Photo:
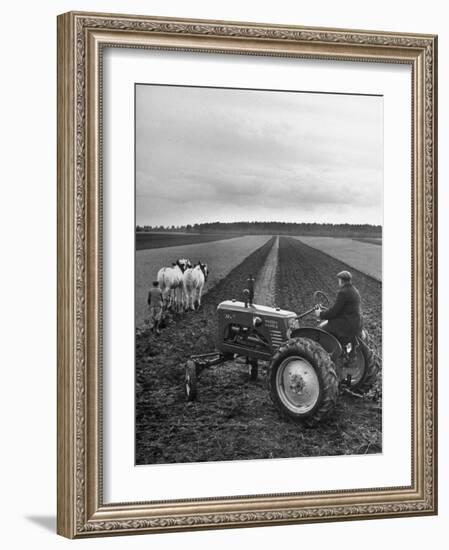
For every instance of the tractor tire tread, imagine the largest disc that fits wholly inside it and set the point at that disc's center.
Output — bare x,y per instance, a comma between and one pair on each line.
323,364
372,367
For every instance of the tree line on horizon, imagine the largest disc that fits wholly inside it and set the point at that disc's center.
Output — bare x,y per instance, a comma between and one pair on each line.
274,228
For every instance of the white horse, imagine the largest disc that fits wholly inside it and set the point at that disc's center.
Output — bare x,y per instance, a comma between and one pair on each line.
193,283
171,283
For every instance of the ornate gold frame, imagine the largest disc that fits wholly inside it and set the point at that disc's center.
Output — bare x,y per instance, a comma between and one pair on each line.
81,37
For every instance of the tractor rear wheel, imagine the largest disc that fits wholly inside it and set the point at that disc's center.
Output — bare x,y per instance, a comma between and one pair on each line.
191,379
302,381
370,370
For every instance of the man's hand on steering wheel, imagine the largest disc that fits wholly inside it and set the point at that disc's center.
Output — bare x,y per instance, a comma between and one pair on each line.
318,311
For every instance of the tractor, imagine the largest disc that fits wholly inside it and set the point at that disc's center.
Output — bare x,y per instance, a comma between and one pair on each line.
307,365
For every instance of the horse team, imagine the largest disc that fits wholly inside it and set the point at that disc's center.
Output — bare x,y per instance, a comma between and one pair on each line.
182,284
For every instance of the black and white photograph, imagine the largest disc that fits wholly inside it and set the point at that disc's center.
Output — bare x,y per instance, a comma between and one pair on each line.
224,333
258,274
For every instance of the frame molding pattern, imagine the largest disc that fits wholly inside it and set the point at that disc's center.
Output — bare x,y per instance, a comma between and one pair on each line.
73,491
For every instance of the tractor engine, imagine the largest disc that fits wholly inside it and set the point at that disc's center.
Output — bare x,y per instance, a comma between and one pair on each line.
252,330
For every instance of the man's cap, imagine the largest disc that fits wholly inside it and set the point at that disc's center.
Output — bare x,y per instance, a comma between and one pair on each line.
345,275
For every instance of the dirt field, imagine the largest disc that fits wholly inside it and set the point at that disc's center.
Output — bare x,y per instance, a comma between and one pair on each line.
148,240
220,256
355,253
233,417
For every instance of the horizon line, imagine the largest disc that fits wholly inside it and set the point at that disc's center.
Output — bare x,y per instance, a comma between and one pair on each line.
258,222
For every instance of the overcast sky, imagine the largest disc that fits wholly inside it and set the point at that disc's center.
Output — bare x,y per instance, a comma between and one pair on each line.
206,155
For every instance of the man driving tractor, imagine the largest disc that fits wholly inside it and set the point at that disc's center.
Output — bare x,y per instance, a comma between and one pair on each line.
344,318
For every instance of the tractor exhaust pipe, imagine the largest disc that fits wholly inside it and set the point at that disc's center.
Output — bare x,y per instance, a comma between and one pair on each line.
246,296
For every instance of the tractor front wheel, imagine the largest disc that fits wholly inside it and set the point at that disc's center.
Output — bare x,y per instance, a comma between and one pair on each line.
191,379
302,381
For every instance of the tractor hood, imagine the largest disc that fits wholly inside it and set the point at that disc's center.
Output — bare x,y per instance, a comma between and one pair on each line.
234,305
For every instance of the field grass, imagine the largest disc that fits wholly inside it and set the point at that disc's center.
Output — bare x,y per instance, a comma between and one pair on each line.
220,256
361,255
149,240
372,240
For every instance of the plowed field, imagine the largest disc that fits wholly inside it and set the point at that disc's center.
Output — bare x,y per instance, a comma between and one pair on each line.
233,418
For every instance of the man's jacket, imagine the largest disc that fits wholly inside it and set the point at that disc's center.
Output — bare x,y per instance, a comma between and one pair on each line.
345,316
155,297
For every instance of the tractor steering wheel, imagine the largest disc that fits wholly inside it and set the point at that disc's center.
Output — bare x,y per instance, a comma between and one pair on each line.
320,299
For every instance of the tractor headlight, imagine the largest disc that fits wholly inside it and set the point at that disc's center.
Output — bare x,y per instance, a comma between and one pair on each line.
293,324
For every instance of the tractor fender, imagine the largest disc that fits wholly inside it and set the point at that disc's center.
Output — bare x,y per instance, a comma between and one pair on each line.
325,339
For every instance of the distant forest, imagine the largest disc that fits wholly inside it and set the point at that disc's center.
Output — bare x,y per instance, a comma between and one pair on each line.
274,228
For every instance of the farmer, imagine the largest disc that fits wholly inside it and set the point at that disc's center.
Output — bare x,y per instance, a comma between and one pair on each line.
155,304
250,286
344,318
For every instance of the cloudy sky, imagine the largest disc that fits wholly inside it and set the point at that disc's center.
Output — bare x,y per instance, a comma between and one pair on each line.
210,154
